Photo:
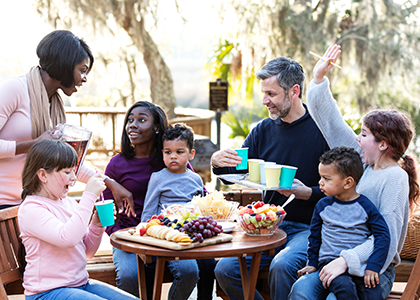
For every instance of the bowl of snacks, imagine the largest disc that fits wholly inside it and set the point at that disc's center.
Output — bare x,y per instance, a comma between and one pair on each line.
215,205
260,219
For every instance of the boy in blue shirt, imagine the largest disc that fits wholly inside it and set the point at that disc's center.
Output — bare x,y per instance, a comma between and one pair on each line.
343,220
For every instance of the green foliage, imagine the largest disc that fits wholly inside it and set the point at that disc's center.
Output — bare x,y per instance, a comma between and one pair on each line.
352,117
239,120
243,106
388,99
218,66
379,39
395,99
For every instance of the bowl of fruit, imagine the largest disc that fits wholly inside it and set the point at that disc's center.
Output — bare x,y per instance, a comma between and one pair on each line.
260,219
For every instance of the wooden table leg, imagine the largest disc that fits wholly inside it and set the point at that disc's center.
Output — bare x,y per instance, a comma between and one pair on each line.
249,281
141,277
160,269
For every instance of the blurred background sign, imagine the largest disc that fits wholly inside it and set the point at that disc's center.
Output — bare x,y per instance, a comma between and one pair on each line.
218,95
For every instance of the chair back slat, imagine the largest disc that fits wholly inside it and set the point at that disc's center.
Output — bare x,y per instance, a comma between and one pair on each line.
412,290
14,233
9,246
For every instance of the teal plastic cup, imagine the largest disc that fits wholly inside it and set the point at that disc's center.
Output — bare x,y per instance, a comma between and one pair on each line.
105,212
243,153
287,175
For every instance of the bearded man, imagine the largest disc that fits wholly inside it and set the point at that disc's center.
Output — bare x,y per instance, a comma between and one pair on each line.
288,137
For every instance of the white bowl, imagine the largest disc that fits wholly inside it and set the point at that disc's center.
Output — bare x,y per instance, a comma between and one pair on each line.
227,226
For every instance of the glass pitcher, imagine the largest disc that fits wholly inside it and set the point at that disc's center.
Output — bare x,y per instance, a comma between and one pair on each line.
77,137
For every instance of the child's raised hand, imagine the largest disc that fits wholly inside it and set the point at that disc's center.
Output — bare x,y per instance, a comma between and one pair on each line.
371,278
306,270
323,66
95,185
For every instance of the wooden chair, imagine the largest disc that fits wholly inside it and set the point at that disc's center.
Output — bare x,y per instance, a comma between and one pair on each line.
411,290
9,248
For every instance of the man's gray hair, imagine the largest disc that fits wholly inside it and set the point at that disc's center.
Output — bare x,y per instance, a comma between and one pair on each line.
287,71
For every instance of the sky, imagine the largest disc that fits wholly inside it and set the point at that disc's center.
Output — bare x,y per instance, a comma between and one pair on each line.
21,30
185,47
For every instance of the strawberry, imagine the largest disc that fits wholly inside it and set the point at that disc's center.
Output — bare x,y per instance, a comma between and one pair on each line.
160,217
154,217
258,204
258,218
142,231
250,226
249,211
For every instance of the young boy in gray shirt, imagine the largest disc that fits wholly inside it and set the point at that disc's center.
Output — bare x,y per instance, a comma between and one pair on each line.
175,184
343,220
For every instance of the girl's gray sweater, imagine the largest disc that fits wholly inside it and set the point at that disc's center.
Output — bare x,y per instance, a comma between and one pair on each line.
388,189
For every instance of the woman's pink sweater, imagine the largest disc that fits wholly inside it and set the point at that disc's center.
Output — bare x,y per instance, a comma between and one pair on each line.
16,126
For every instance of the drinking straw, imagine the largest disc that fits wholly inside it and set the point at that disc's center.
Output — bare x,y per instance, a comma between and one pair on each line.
101,196
324,59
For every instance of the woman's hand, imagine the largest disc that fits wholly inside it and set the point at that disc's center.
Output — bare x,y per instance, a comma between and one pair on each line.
123,198
322,67
225,158
24,146
336,267
95,185
301,192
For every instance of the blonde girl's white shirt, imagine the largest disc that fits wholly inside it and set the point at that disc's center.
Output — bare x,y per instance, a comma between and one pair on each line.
57,241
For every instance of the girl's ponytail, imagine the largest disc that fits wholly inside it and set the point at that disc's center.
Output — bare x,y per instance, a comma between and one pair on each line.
408,163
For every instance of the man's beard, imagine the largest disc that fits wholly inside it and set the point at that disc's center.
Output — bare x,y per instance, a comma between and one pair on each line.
282,113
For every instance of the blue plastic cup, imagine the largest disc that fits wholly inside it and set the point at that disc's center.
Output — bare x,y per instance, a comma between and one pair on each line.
105,212
243,153
287,175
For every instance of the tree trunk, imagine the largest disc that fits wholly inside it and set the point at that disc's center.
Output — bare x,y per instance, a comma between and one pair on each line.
161,82
129,15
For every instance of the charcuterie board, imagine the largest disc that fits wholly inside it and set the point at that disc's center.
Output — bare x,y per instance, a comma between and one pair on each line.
243,179
148,240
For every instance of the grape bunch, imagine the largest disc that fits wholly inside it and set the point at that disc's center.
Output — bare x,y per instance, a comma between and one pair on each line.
201,228
188,216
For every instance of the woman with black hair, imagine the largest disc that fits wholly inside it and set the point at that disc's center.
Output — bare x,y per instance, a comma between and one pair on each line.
141,155
31,108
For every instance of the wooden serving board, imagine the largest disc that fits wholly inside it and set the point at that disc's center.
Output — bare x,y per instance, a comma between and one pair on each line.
148,240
